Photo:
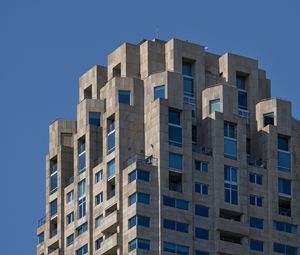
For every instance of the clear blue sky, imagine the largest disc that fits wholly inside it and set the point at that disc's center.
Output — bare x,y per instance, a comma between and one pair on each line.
46,45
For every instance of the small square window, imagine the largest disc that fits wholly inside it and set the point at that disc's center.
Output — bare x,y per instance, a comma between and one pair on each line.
124,97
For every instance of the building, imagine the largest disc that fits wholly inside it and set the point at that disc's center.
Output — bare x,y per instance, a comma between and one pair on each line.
175,150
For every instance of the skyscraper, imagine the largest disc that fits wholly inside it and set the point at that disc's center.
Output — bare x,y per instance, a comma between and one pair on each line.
175,150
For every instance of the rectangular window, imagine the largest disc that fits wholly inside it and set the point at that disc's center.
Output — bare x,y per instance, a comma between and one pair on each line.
83,250
201,210
175,181
284,227
111,141
81,155
284,156
176,203
53,175
256,200
188,81
284,206
70,239
285,249
124,97
175,161
175,129
81,229
70,196
139,220
268,119
230,141
81,199
255,178
99,198
284,186
176,248
98,243
159,92
214,105
41,238
139,243
230,185
201,166
70,218
176,226
53,207
98,176
98,221
111,168
242,99
256,223
256,245
201,253
201,188
94,118
139,197
194,134
202,233
139,174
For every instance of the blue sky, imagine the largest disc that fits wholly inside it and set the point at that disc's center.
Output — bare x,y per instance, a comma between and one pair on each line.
46,45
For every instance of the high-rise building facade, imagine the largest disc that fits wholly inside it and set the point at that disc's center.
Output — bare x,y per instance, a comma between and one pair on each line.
175,150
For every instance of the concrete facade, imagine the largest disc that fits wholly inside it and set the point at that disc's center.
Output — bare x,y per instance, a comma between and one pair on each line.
212,159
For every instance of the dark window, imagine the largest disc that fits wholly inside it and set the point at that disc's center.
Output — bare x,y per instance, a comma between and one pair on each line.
256,245
82,250
194,134
94,118
201,166
159,92
284,186
175,181
70,239
285,249
124,97
284,206
139,244
53,207
202,233
201,188
201,210
269,118
175,130
256,223
175,161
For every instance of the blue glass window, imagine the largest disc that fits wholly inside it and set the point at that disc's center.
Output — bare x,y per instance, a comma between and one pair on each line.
41,238
111,139
83,250
201,166
81,155
70,196
176,248
176,203
138,174
81,207
201,253
214,105
269,118
175,130
187,68
70,239
81,229
284,186
159,92
99,198
188,86
201,210
70,218
175,161
202,233
98,176
256,200
256,223
124,97
283,143
285,227
242,100
285,249
139,220
111,168
230,185
53,175
176,226
81,188
53,207
255,178
241,82
98,243
230,142
139,197
94,118
98,220
139,243
256,245
284,156
201,188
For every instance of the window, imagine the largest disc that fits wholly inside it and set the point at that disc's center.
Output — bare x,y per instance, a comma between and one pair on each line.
138,174
284,186
98,243
230,237
285,249
256,245
41,238
255,178
201,253
53,207
175,129
94,118
99,198
188,81
176,203
98,176
70,196
242,93
284,156
139,197
256,223
285,227
98,221
53,175
82,250
111,143
124,97
201,188
139,243
201,210
214,105
201,166
176,226
70,218
159,92
81,155
139,220
175,161
230,185
81,229
256,200
230,215
269,119
81,199
111,168
284,206
175,181
70,239
202,233
230,141
194,134
176,248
